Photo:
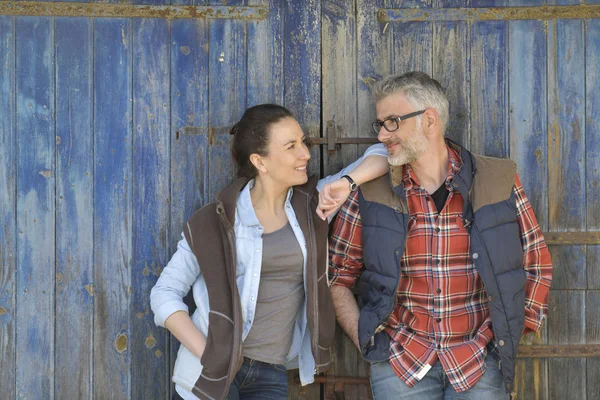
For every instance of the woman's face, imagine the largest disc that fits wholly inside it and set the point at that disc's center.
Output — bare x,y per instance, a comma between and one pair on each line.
287,154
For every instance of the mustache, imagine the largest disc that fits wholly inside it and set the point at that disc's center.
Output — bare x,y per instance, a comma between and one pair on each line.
391,142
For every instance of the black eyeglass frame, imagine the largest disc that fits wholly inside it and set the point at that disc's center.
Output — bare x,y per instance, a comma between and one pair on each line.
378,124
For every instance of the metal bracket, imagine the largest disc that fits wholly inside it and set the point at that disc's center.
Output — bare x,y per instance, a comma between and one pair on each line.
332,140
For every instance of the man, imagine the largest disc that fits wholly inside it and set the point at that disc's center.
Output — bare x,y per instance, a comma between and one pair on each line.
451,264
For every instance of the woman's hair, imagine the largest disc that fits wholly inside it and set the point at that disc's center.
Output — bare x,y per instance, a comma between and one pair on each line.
251,135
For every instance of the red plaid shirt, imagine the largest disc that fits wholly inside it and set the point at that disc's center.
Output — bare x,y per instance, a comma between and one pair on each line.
441,294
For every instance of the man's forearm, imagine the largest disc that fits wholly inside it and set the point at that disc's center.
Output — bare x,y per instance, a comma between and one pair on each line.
347,311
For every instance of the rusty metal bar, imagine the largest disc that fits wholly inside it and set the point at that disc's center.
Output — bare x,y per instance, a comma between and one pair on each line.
103,10
583,11
351,140
572,238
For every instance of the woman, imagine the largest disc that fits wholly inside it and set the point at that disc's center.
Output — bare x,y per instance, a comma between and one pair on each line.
256,260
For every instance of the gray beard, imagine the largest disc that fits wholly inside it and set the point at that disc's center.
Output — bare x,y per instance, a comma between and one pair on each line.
410,150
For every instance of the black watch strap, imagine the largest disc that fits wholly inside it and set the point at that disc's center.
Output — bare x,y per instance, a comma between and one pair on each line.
353,184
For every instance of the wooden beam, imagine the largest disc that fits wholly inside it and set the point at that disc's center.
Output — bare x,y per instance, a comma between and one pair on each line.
583,11
103,10
571,238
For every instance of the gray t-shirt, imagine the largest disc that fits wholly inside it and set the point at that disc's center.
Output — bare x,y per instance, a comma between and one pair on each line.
280,296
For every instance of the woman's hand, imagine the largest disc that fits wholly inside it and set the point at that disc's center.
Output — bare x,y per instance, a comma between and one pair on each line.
332,196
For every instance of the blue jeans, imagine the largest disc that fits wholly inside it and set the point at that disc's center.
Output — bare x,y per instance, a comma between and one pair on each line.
435,385
257,380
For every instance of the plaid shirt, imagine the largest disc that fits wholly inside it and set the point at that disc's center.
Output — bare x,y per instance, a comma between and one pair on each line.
442,309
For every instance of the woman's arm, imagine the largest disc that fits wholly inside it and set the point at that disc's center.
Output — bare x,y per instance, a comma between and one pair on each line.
334,190
166,298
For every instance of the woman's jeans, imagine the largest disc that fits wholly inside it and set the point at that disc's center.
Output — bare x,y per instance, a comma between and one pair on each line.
257,380
385,384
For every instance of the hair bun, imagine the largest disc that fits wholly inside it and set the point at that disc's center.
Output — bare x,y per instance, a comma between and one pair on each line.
234,129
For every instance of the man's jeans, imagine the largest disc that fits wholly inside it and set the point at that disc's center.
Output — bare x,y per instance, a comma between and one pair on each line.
385,384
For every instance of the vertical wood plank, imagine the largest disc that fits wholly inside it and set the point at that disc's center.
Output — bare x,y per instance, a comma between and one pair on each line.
592,336
592,146
338,55
265,55
75,208
302,70
566,325
489,133
373,58
527,88
412,47
151,185
302,95
227,88
8,191
113,207
451,68
567,204
35,207
189,107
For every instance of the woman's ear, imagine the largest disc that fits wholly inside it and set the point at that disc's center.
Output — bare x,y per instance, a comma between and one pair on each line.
258,162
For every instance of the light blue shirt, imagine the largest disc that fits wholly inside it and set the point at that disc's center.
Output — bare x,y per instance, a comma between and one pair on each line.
183,272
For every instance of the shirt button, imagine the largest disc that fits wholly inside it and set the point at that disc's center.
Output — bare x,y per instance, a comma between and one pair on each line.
255,274
252,299
439,346
257,250
501,343
438,319
490,298
475,256
437,261
455,184
438,291
397,252
437,229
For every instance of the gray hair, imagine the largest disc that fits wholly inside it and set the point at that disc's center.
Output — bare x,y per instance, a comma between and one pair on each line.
421,90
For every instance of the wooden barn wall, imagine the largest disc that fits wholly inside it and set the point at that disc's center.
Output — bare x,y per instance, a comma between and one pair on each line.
114,130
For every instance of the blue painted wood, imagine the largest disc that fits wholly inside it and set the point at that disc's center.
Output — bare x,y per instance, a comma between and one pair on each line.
489,133
373,59
566,94
338,69
75,208
302,66
265,55
227,88
528,113
450,67
592,145
412,47
113,207
35,207
151,185
8,191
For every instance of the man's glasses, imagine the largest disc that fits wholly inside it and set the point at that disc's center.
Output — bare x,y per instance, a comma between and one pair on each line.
392,124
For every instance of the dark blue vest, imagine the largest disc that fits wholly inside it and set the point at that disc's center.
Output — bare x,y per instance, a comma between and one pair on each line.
490,215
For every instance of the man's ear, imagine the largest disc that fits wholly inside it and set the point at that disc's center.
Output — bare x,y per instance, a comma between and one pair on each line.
431,117
258,162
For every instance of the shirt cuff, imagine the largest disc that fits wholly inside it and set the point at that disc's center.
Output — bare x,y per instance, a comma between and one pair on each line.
533,321
166,310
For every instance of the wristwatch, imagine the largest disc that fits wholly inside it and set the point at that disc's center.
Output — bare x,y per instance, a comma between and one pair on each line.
353,184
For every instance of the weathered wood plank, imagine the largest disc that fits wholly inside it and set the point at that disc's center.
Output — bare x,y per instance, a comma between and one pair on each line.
592,147
189,107
151,185
338,70
35,207
8,191
227,88
412,47
566,325
489,133
569,267
265,55
113,207
373,58
566,130
302,93
75,208
450,67
302,69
